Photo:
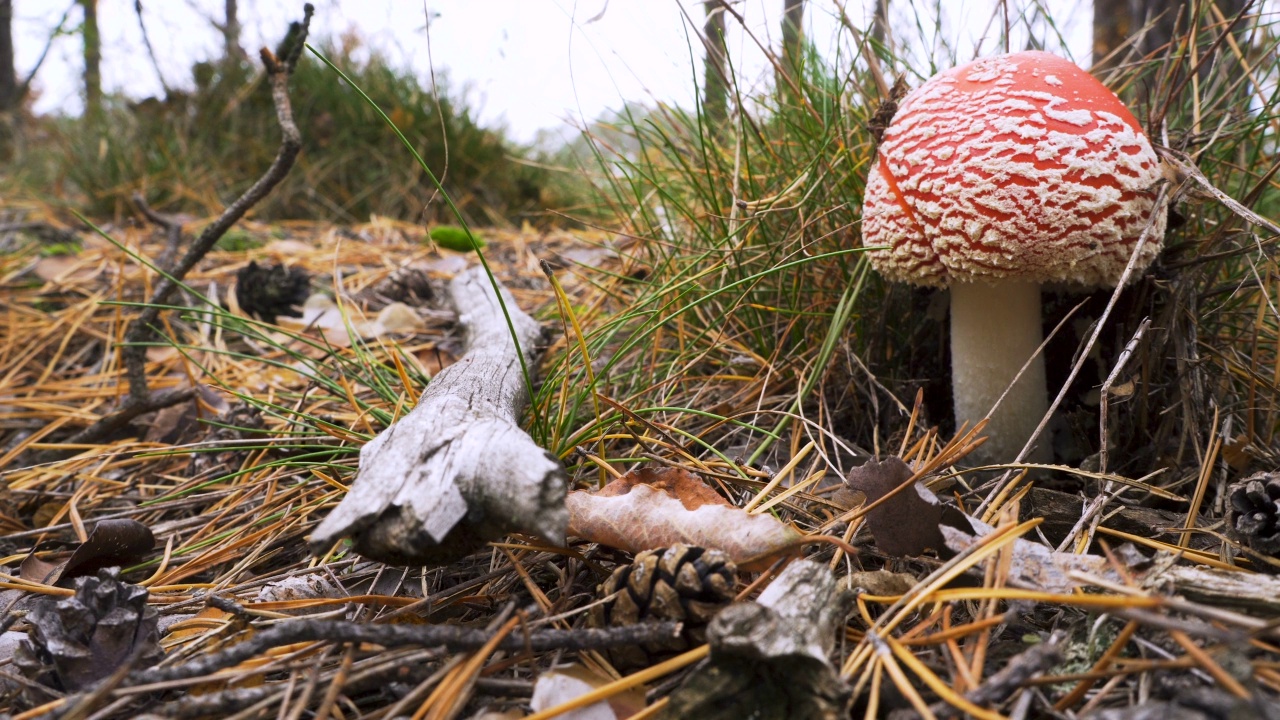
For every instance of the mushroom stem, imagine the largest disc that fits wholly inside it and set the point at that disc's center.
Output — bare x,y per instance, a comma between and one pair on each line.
995,328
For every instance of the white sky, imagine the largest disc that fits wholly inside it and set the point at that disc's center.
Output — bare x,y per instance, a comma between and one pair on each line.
528,64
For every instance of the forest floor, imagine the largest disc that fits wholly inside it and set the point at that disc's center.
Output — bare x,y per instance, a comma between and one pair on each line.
225,512
207,506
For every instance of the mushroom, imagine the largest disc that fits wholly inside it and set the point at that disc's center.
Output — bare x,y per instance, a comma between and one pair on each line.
994,178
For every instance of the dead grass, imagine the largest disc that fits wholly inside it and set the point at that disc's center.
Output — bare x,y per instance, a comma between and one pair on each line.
231,517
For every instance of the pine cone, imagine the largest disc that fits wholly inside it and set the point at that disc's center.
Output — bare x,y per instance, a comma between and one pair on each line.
1253,517
681,583
75,642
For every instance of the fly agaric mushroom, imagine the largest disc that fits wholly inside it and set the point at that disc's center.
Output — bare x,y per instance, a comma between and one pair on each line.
996,177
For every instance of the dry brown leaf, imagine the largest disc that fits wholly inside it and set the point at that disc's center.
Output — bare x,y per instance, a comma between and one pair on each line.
880,582
907,523
66,269
446,265
394,318
169,424
197,625
1238,452
161,353
46,512
913,520
321,315
655,508
177,423
433,360
113,542
288,249
594,257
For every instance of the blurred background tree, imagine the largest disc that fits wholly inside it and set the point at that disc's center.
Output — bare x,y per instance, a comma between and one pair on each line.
8,80
92,59
1151,23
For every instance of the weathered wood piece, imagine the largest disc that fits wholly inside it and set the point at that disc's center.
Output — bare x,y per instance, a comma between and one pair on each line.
457,471
1062,510
1253,593
769,658
795,617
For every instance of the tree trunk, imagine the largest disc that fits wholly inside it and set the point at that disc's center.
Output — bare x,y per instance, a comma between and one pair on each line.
231,31
1158,21
792,36
1110,27
715,72
92,59
880,22
8,80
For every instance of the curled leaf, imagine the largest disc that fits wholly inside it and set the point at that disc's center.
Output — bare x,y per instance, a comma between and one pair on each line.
658,507
111,543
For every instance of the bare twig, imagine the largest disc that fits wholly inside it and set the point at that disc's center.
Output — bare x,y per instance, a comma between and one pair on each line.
453,637
172,229
1104,405
371,673
140,400
42,230
24,87
1016,674
1187,169
1026,665
146,40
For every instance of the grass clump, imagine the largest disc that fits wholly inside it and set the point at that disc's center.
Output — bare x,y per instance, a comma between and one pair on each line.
757,314
194,151
753,295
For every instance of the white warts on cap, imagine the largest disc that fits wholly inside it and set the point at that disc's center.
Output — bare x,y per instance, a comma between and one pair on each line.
1020,165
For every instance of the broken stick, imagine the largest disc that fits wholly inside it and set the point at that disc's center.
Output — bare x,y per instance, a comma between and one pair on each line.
457,471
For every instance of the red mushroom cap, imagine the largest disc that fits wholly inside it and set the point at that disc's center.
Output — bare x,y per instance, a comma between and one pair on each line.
1020,165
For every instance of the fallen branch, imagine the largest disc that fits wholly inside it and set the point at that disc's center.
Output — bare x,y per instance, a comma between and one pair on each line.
370,675
172,230
457,471
1024,666
280,67
1014,676
454,637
